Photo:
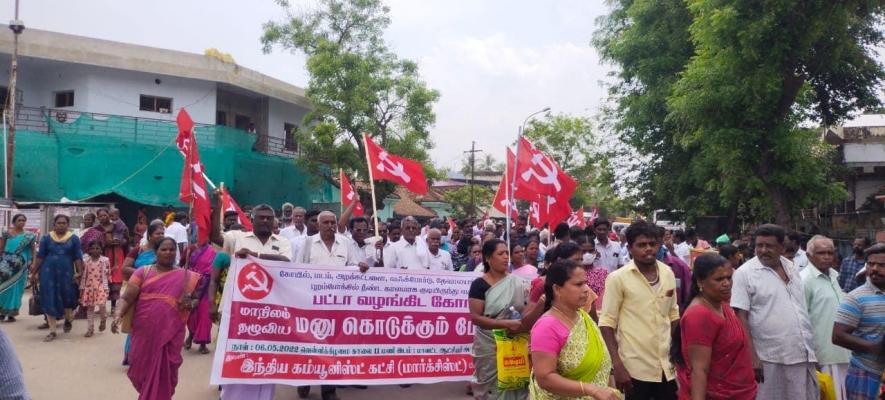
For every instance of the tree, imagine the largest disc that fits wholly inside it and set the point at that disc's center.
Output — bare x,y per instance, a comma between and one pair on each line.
459,200
485,164
571,143
356,85
724,116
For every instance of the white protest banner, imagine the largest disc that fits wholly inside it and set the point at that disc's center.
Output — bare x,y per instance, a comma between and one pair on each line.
307,325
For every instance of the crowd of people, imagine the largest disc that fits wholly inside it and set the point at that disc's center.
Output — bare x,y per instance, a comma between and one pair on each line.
641,313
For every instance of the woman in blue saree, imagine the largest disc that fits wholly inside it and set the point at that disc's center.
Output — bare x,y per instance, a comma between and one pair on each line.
59,261
19,247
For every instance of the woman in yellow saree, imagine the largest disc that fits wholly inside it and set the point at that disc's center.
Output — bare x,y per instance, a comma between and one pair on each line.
569,358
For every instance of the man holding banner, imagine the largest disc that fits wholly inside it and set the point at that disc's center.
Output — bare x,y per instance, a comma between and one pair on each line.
260,243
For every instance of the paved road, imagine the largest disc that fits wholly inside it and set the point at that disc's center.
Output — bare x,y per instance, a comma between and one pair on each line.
77,368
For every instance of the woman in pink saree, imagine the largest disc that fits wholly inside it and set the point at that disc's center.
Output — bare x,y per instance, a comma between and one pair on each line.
199,326
162,296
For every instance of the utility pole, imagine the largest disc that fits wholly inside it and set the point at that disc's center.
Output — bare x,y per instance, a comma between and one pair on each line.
17,27
473,152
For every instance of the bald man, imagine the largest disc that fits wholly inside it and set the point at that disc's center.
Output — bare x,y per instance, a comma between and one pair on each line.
330,248
440,260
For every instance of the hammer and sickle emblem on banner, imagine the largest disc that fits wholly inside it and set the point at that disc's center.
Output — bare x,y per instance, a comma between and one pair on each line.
254,282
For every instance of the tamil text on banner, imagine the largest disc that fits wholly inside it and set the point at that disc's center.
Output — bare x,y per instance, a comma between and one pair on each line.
307,325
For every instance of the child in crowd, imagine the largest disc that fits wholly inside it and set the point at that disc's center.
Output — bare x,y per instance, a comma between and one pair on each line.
94,285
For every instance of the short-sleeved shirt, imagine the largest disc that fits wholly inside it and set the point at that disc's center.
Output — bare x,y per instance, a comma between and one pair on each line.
822,297
609,255
236,240
864,310
405,255
549,335
343,252
778,318
642,316
731,362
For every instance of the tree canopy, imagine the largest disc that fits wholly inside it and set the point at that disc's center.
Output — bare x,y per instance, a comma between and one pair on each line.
720,95
356,85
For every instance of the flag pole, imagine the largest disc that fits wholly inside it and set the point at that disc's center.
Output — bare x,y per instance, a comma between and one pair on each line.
371,183
341,190
508,190
221,186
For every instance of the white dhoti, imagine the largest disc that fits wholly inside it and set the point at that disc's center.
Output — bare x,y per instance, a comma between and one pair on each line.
838,372
794,382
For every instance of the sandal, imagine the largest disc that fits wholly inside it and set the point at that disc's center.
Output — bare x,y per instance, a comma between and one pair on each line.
44,326
50,337
89,333
204,350
188,343
68,326
102,325
10,319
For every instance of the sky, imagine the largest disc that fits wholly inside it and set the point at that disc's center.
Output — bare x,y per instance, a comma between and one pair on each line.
494,62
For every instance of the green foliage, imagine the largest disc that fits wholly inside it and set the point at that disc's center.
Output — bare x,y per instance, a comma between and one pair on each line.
717,97
571,143
459,200
356,85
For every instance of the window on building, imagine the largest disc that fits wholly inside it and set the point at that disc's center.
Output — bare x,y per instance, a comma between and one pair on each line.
155,104
289,131
220,118
242,122
64,99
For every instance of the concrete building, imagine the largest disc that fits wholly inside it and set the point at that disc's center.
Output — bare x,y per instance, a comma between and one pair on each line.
110,107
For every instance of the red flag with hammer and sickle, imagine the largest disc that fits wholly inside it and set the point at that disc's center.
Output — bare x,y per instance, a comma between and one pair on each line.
536,173
229,204
402,171
577,218
349,196
193,185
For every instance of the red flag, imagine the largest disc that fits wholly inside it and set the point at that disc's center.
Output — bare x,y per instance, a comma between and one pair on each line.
349,196
594,213
536,173
550,210
452,224
193,185
577,218
402,171
502,200
229,204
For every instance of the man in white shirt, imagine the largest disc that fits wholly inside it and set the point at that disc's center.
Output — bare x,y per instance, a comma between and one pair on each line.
369,247
408,252
260,243
682,248
311,227
297,227
609,251
176,230
330,248
440,260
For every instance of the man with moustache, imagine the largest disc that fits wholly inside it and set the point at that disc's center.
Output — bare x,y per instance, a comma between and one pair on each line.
852,264
769,300
860,327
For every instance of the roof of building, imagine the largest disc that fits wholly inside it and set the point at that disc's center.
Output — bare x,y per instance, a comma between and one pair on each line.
407,206
48,45
866,128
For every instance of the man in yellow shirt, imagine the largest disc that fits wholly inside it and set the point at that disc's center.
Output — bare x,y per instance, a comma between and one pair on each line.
639,313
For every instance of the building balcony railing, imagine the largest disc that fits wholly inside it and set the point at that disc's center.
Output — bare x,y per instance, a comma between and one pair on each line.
144,130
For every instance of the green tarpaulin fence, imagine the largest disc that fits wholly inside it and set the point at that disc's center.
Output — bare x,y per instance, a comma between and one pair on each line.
91,155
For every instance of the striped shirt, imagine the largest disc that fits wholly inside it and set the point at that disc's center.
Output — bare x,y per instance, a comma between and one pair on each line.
864,310
850,266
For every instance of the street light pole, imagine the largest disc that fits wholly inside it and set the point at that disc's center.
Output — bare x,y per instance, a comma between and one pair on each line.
17,27
510,196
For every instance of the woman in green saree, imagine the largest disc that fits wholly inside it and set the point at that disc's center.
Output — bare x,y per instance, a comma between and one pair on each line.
569,358
18,247
495,299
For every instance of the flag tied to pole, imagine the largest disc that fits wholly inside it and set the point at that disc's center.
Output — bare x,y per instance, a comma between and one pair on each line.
349,196
399,170
229,204
540,181
193,185
503,196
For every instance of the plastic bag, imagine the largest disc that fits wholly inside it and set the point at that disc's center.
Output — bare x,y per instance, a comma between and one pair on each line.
512,360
